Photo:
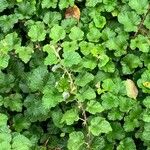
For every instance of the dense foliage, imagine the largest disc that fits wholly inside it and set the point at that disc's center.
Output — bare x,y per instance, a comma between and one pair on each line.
78,80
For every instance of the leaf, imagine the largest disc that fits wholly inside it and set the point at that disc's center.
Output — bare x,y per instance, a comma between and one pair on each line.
57,33
130,20
83,79
51,98
71,58
131,89
142,82
65,4
51,18
3,5
51,59
37,78
93,35
127,143
99,125
24,53
141,42
147,21
76,34
146,102
91,3
48,4
86,47
94,107
139,6
69,46
3,119
73,12
70,116
37,31
20,122
86,93
20,141
109,101
13,102
129,63
76,140
99,21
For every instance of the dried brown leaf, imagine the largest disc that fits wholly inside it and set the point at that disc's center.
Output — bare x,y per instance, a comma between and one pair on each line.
131,89
73,12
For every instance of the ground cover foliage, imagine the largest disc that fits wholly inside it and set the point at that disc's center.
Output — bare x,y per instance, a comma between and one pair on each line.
74,75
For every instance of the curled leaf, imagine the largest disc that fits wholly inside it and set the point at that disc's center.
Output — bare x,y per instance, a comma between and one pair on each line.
131,89
73,12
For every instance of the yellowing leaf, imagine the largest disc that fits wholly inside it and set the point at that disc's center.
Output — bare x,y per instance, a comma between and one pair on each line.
73,12
131,89
147,84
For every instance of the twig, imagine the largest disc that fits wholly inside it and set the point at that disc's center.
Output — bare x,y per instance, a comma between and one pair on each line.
142,21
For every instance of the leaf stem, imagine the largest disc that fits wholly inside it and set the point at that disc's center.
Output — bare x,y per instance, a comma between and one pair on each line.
142,21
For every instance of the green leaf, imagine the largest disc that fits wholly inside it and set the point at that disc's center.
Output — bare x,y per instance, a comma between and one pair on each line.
130,20
110,5
20,122
71,58
146,115
51,98
65,4
86,47
48,4
141,7
37,32
129,63
57,33
76,34
93,35
99,21
69,46
10,42
51,18
4,60
117,132
98,143
24,53
20,141
109,101
8,22
84,78
3,5
52,58
147,21
127,143
37,78
86,93
103,60
3,119
143,82
91,3
146,132
76,140
70,116
94,107
141,42
99,125
146,102
13,102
